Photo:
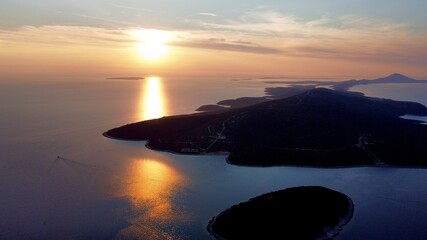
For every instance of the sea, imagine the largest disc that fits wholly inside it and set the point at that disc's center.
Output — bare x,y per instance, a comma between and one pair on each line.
61,179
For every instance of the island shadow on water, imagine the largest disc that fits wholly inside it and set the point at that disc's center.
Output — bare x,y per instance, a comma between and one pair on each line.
294,213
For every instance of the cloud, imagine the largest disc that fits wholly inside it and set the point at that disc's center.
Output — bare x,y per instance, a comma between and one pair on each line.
273,23
107,20
208,14
224,45
260,32
338,37
130,7
66,35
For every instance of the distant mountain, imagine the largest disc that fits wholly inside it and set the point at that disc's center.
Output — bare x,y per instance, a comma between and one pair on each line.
393,78
319,127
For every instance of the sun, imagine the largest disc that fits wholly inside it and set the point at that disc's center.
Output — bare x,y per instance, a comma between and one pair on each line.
151,43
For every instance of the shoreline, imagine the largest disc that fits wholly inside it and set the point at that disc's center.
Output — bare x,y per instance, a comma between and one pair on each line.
328,232
223,153
211,222
332,233
147,145
329,155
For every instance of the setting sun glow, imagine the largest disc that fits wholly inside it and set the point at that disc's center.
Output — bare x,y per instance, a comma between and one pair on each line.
152,44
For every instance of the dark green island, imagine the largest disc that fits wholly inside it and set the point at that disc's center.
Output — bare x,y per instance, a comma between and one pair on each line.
294,213
318,127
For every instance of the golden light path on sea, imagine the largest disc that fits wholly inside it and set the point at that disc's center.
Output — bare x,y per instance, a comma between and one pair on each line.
152,101
151,186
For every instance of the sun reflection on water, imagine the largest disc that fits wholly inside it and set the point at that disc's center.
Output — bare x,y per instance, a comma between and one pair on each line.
151,186
152,99
153,182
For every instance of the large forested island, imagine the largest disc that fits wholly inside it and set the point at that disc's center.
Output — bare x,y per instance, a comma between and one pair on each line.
294,213
318,127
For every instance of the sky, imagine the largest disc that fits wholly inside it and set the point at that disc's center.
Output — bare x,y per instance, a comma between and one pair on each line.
250,38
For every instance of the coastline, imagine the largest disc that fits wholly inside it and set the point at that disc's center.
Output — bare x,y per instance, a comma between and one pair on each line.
333,232
147,145
212,221
325,151
328,232
223,153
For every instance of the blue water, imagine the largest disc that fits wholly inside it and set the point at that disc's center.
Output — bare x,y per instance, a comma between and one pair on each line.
105,189
403,92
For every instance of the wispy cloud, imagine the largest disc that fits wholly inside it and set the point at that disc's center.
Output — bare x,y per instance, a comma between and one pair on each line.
208,14
272,23
343,37
130,7
93,36
224,45
107,20
264,32
65,35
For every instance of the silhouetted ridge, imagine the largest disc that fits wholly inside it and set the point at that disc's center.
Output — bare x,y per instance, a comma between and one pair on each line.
393,78
397,77
320,127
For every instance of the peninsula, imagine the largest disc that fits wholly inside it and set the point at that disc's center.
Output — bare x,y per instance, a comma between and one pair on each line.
297,87
319,127
294,213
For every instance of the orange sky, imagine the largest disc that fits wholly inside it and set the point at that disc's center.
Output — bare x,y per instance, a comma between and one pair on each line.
262,41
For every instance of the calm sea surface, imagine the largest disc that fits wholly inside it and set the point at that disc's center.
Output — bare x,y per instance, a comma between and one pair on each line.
106,189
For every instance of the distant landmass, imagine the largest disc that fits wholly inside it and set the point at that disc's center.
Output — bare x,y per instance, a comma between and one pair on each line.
293,213
393,78
345,85
298,87
126,78
318,127
272,93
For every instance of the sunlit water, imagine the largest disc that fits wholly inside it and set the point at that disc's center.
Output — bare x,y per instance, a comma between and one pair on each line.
104,189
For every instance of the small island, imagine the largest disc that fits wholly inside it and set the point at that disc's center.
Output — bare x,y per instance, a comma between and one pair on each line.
294,213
